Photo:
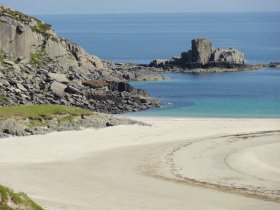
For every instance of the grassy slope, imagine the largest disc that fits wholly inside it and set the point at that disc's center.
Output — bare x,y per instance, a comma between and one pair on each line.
41,115
18,200
41,111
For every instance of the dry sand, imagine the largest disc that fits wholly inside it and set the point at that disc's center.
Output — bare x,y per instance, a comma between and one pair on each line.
174,164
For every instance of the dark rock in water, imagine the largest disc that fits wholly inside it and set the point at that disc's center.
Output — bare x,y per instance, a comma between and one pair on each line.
203,55
274,65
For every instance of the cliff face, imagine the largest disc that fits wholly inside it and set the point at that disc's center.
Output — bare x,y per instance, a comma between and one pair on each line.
23,37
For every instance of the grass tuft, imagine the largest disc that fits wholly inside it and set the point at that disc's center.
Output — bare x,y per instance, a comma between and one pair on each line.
1,56
38,58
3,98
21,200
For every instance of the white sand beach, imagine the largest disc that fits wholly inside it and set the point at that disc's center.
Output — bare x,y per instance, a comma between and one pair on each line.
174,164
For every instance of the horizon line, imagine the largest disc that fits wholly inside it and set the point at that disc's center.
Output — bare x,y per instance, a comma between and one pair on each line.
151,13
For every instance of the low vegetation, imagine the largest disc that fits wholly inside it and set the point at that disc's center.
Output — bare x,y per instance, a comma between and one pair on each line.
3,98
17,120
42,28
41,112
1,56
39,58
9,200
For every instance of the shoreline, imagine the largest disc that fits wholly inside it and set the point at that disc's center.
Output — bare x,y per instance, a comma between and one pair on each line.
107,168
131,116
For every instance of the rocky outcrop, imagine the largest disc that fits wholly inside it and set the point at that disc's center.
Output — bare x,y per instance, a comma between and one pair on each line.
204,55
24,37
274,65
23,84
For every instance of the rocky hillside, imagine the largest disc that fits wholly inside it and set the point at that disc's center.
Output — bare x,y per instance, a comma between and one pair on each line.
204,55
38,66
26,38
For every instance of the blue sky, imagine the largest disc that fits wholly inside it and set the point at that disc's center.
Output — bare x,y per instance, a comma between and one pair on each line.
141,6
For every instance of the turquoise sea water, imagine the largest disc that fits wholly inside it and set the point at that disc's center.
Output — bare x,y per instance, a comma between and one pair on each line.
237,94
140,38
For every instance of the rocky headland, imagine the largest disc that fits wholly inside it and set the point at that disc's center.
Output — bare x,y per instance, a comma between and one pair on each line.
39,67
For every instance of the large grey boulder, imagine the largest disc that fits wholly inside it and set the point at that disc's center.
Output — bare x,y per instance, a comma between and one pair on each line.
58,77
58,89
227,55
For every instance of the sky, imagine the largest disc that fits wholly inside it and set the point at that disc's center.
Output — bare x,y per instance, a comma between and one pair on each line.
140,6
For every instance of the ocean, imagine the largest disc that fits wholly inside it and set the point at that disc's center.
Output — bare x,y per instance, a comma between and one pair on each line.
140,38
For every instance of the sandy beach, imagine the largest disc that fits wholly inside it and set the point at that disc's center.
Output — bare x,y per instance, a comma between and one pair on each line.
173,164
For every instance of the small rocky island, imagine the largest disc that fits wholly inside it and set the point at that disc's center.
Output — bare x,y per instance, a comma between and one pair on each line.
204,55
203,58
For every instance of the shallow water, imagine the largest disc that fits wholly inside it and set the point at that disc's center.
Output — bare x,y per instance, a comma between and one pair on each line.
237,94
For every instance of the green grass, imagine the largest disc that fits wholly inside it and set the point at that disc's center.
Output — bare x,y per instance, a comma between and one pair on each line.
37,123
1,56
65,119
20,199
42,28
39,58
3,98
41,112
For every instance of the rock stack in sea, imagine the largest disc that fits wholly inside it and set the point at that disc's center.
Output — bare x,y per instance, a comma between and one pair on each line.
204,55
38,66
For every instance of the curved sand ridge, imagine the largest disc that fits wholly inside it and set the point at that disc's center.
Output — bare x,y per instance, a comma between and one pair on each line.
261,162
111,168
224,163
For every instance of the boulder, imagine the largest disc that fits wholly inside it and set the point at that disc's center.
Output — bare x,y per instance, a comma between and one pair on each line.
21,87
58,77
58,89
159,62
95,83
227,55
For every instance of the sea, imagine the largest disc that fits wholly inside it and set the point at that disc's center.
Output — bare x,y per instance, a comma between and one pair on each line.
140,38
